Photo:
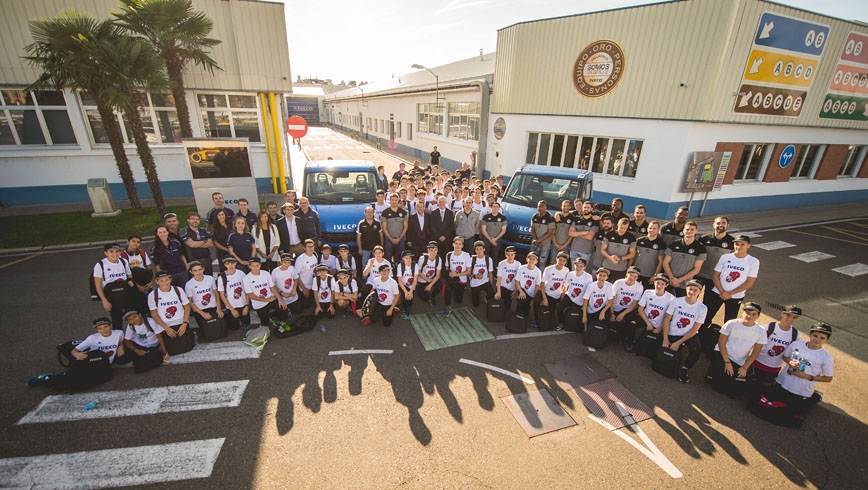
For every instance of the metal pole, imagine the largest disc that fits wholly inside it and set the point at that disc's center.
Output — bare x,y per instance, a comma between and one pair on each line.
268,145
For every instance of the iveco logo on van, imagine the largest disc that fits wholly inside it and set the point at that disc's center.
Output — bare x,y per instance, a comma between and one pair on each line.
521,229
349,227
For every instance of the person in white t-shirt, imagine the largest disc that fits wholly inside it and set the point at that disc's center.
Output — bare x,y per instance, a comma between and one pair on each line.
625,304
552,285
681,326
113,279
481,274
740,343
230,285
264,297
574,287
105,339
527,280
346,291
457,274
305,265
780,335
428,275
598,297
807,363
652,307
388,297
201,290
169,306
407,279
371,272
506,273
142,335
322,288
285,279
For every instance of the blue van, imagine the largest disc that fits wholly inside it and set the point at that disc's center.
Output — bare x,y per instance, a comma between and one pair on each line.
339,191
533,183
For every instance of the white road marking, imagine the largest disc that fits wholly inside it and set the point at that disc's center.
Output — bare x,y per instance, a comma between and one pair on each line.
363,351
814,256
498,370
532,334
805,225
651,452
774,245
148,401
118,467
852,270
216,351
849,302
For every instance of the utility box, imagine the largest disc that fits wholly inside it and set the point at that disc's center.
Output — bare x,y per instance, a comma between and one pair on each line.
101,198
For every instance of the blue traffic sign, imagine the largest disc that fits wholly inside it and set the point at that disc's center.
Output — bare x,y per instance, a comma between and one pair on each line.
797,35
787,156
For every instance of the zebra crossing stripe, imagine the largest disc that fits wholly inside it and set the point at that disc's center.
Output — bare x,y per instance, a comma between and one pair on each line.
179,398
118,467
216,351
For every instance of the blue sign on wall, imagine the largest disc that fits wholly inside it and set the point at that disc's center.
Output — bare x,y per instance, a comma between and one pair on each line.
308,108
777,31
787,156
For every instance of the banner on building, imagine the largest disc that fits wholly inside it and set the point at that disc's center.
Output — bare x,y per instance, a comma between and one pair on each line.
306,107
704,169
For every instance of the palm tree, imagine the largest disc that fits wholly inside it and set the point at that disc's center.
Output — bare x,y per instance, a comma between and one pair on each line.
58,51
179,34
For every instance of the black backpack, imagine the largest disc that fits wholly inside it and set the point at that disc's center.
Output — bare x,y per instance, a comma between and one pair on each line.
771,329
94,296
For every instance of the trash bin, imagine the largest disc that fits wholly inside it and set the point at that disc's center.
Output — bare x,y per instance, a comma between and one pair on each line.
101,198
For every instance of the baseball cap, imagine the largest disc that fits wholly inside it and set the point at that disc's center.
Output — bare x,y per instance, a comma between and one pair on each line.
322,267
385,267
750,305
510,250
109,246
532,254
563,255
694,283
285,256
230,258
343,272
580,260
102,321
407,253
162,274
792,310
741,238
635,269
822,327
130,313
193,263
343,246
604,270
254,260
478,243
432,244
661,277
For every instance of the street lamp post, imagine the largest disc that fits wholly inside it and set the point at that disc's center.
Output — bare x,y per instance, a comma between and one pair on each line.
436,80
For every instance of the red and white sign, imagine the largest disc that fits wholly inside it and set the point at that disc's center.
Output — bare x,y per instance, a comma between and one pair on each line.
296,126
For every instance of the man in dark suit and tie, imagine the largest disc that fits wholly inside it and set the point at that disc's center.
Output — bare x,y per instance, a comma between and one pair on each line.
442,226
419,231
288,230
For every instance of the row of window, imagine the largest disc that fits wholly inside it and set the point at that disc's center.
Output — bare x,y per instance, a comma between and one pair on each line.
599,154
756,156
463,119
42,118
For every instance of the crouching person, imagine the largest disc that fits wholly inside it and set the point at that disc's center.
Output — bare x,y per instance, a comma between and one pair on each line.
143,341
105,339
388,296
740,343
807,363
170,310
346,292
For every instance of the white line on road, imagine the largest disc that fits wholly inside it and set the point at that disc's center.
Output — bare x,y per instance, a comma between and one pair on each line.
118,467
814,256
532,334
774,245
651,452
848,302
805,225
363,351
852,270
148,401
498,370
217,351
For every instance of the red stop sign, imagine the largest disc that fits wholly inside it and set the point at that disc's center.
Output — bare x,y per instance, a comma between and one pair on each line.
296,126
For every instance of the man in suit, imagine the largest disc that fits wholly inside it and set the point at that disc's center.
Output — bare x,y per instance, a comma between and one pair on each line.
442,226
288,229
419,231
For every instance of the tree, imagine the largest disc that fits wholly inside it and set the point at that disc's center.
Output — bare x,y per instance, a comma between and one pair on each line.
58,50
179,34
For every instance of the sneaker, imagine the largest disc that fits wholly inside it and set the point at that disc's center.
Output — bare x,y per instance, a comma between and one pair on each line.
288,316
817,396
166,359
533,324
629,346
245,326
447,311
559,327
40,380
431,302
366,320
683,375
405,316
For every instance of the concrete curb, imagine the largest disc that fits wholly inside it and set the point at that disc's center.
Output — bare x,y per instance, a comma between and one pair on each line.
68,246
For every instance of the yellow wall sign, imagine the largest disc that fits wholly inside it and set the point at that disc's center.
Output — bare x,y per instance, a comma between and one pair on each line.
598,68
783,68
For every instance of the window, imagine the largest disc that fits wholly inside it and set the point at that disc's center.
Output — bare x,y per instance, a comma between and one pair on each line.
409,131
806,161
602,155
398,127
232,115
853,161
159,119
34,118
464,120
430,118
753,162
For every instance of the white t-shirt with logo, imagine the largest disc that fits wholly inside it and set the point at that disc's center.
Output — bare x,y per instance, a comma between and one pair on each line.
577,285
528,279
507,272
233,288
685,315
109,344
484,266
625,295
142,335
260,286
286,282
405,274
817,363
598,296
735,271
379,208
112,271
201,293
375,270
655,306
170,306
351,287
554,279
322,288
458,263
305,265
772,355
386,291
741,339
429,269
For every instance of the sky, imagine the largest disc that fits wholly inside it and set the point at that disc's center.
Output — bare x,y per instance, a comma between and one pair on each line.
376,39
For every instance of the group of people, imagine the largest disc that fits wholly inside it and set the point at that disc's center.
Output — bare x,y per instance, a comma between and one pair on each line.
434,235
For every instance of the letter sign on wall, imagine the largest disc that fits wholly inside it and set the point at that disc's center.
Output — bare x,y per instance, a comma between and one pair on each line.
599,68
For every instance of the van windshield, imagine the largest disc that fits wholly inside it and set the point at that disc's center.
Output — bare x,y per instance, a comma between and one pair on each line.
528,190
339,187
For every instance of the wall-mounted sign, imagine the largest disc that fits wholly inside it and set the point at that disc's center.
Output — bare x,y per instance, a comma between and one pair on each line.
787,156
499,128
847,97
599,68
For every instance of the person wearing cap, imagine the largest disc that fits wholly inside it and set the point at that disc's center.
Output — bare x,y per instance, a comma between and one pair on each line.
418,228
584,229
230,286
574,287
527,281
717,243
807,363
542,227
607,224
322,290
429,267
141,335
346,261
170,220
650,250
780,335
481,274
305,264
457,274
263,295
552,285
407,279
681,327
345,292
105,339
169,306
507,269
740,343
627,293
197,242
285,279
652,308
467,224
598,297
387,298
395,224
288,231
113,282
734,274
327,259
618,250
167,254
201,289
684,259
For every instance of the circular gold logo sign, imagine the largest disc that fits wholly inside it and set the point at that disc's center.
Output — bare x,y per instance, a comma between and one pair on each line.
598,68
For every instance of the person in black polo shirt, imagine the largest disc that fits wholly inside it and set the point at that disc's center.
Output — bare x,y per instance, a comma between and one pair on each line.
197,242
308,221
717,243
638,225
618,249
674,230
433,158
369,234
650,250
684,259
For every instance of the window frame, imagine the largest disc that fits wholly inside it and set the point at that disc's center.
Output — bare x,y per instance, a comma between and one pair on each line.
256,109
547,145
740,175
812,166
856,155
38,109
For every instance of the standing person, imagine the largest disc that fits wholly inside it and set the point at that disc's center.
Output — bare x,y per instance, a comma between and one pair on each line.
684,259
264,298
288,231
167,255
507,269
402,171
171,222
201,290
241,243
285,279
606,226
492,227
267,241
481,274
652,308
382,180
780,335
674,230
442,226
113,280
230,285
457,273
380,205
466,169
407,278
273,212
561,240
430,266
169,306
289,197
308,221
638,225
717,243
650,250
388,296
542,227
418,229
741,341
585,228
527,281
395,224
619,248
681,326
142,269
598,297
433,159
245,212
552,285
618,210
220,231
627,293
369,234
467,225
211,217
734,274
197,242
305,265
807,363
